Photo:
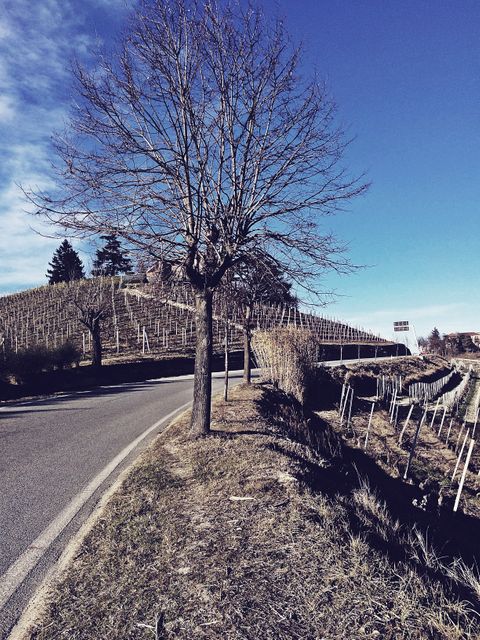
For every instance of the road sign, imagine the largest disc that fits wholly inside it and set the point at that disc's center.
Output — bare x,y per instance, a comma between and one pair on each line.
401,326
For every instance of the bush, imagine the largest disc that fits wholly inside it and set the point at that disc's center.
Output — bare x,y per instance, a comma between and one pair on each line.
65,356
288,357
28,363
3,367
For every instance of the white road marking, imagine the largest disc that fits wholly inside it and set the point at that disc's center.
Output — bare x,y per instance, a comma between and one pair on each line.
18,571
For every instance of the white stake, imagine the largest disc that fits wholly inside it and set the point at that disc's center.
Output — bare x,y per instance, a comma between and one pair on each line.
448,432
345,401
406,424
414,444
395,419
475,424
434,414
392,405
460,456
368,427
441,423
350,410
341,398
462,480
459,436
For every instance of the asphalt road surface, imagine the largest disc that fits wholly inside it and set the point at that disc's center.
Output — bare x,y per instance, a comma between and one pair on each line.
57,457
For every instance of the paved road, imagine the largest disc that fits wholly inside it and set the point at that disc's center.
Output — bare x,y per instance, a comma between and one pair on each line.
50,450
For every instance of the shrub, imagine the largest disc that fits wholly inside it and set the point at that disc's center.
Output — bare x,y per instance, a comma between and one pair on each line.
65,356
3,367
28,363
288,357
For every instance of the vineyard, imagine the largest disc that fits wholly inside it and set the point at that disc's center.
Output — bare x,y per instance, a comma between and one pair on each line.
428,426
147,319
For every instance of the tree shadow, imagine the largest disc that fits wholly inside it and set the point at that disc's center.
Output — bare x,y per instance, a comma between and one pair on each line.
451,534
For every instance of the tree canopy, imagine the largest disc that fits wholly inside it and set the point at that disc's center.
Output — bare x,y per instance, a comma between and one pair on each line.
110,260
200,143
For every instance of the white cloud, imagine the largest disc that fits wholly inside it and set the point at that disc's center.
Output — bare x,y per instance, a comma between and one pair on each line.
7,108
37,42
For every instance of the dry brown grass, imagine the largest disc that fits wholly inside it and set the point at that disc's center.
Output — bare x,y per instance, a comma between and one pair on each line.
287,356
227,538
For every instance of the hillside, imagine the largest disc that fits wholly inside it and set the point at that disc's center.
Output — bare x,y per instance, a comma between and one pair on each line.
147,320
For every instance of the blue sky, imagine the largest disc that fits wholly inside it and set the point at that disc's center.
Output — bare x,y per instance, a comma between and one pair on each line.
406,78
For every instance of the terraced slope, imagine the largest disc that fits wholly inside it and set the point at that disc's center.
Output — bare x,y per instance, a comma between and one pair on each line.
146,319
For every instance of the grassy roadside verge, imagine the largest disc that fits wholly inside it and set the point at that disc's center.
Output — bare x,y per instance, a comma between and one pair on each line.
244,535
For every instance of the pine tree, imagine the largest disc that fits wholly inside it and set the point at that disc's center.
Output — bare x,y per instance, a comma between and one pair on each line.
110,260
435,342
65,265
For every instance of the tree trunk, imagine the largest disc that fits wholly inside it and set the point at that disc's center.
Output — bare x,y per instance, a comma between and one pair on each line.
247,340
96,347
202,385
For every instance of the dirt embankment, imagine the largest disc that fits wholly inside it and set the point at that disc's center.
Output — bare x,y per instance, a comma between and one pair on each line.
263,530
363,376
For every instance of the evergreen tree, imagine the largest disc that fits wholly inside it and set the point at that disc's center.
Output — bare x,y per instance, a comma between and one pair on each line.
110,260
435,342
467,344
65,265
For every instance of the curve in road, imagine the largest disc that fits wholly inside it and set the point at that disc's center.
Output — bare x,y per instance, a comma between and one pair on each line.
57,457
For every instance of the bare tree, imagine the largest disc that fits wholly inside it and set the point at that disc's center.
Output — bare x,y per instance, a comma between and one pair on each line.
92,300
200,143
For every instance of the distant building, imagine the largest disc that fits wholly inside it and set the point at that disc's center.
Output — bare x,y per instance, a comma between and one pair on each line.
133,278
163,271
473,335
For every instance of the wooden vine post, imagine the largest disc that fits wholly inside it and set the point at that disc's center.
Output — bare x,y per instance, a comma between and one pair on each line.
400,438
460,456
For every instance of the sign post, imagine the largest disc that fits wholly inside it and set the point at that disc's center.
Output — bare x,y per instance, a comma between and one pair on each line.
404,325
